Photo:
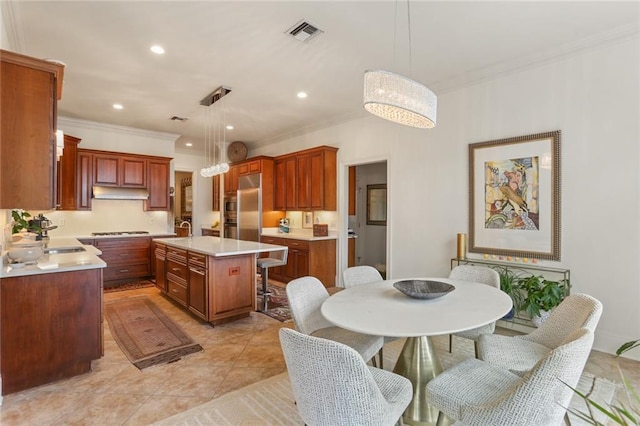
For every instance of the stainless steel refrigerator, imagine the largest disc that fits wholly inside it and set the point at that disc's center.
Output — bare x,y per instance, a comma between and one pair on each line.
249,207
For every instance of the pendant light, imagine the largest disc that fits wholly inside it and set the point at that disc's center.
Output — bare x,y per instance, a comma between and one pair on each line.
397,98
215,133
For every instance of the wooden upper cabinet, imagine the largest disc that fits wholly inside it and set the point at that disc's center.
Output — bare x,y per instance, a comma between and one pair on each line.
158,173
133,173
30,89
352,192
84,180
119,170
306,180
231,180
215,193
67,182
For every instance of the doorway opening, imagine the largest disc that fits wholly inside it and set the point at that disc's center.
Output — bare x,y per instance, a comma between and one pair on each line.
367,216
183,202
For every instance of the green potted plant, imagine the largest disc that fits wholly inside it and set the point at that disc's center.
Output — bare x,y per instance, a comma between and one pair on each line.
508,284
539,296
20,220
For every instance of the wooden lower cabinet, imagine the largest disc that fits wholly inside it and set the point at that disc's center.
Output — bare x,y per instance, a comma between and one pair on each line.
126,258
197,287
51,327
215,289
316,258
159,262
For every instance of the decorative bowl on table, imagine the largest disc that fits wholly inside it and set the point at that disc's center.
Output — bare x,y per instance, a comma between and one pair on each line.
423,289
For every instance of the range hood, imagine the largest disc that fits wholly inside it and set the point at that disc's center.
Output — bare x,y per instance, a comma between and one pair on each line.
115,193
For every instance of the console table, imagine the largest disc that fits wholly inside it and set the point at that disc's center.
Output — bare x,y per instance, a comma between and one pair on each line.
520,320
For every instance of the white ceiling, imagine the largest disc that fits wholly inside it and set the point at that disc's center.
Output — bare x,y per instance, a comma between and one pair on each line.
243,45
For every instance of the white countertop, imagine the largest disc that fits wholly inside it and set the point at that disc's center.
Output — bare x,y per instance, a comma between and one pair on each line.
219,247
63,262
297,234
154,234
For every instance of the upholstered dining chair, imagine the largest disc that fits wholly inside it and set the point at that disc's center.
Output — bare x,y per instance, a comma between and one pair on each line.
332,384
306,295
475,392
357,275
478,274
365,274
519,354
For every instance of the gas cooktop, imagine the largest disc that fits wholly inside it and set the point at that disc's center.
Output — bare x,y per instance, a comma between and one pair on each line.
98,234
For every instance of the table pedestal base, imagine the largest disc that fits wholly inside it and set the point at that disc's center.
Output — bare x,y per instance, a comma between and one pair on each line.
419,363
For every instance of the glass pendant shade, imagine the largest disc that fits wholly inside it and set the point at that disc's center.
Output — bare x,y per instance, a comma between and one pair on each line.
399,99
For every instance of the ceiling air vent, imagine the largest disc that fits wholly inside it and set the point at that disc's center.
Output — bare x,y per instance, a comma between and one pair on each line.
303,31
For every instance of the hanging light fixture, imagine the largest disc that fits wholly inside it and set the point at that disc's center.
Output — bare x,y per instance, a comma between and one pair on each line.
397,98
215,133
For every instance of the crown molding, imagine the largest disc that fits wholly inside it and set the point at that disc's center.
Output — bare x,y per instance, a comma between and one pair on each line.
559,53
12,26
94,125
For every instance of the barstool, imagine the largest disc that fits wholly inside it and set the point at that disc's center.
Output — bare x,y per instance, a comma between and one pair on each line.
277,258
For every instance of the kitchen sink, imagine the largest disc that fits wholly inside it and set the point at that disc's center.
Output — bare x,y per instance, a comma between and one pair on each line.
63,250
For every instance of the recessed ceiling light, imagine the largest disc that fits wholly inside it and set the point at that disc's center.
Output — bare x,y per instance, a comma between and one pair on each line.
188,144
229,127
117,106
157,49
302,95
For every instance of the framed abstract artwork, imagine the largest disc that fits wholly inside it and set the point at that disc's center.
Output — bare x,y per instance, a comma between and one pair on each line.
514,196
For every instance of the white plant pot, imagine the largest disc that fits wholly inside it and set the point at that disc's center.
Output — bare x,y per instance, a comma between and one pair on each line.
539,319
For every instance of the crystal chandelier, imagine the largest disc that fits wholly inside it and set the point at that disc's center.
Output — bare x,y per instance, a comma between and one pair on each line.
399,99
214,135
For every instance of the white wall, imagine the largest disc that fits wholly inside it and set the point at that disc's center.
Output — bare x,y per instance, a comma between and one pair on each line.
593,98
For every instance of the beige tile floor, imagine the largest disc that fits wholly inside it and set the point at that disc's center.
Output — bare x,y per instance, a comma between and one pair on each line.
234,355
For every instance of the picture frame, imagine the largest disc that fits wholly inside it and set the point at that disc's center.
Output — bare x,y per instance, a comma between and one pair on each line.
377,204
514,197
307,219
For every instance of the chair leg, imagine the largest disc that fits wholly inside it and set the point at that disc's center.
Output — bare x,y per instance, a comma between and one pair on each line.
450,342
475,347
373,361
381,356
441,417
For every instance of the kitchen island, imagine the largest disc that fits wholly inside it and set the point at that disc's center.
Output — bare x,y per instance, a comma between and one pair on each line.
50,315
214,278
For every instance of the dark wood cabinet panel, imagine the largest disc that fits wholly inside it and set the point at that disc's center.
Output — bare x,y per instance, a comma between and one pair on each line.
307,180
197,285
215,195
126,258
160,270
352,190
106,170
290,183
158,184
316,258
67,182
84,180
231,180
30,88
52,328
303,182
133,172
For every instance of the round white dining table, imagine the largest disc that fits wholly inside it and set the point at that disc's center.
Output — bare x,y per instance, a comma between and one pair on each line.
382,310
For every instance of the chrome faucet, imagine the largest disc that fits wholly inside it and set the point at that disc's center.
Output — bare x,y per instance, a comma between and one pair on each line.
189,226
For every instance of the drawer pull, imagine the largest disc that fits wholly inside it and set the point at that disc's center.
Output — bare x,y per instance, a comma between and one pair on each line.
124,270
175,269
174,290
124,254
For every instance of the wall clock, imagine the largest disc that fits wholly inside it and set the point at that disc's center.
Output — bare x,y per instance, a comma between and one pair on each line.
237,151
